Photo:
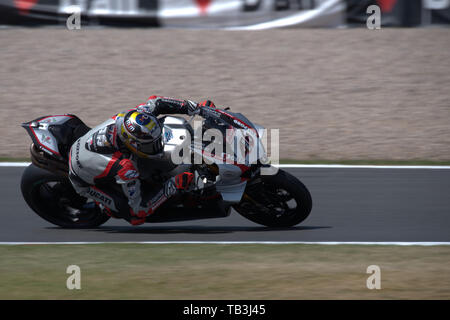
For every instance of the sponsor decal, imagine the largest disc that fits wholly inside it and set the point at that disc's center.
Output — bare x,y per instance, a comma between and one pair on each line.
158,200
45,138
143,119
77,154
101,140
212,112
131,189
240,124
131,174
99,196
129,125
49,120
158,203
168,135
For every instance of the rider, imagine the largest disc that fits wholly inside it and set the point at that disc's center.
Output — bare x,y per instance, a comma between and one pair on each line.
107,155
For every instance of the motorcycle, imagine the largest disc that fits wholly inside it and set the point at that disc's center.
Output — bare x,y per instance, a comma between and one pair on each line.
273,200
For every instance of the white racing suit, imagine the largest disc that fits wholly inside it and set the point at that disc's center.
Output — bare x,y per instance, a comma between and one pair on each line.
98,161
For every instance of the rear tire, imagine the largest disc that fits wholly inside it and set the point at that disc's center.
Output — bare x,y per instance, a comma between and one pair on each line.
53,198
267,203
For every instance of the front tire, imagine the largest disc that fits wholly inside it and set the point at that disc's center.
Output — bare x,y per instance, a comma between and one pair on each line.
277,201
53,198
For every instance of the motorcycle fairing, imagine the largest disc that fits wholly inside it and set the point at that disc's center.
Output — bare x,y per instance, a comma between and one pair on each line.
39,132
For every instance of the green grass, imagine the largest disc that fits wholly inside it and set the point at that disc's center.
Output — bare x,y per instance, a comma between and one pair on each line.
176,271
292,161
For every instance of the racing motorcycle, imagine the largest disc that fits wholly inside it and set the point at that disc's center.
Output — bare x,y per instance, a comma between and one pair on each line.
277,199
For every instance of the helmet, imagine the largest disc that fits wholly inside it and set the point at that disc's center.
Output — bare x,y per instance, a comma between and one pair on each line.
140,132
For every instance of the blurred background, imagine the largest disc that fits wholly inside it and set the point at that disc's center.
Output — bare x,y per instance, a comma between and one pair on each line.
259,14
336,89
225,13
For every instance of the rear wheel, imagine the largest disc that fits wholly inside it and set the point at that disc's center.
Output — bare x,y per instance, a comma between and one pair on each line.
279,200
53,198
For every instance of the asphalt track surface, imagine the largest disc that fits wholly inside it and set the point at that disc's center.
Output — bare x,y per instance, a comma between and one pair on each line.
405,205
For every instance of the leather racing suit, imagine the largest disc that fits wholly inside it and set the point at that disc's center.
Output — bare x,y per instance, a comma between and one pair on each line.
99,163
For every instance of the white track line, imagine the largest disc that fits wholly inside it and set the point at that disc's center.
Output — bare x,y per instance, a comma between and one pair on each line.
14,164
323,166
348,166
242,242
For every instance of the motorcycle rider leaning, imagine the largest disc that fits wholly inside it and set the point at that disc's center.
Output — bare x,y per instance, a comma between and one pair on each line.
106,156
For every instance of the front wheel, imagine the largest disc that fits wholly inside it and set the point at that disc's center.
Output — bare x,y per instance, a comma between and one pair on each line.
279,200
53,198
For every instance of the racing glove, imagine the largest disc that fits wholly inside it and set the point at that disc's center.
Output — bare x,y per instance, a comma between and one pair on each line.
207,103
157,105
196,108
192,107
183,180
